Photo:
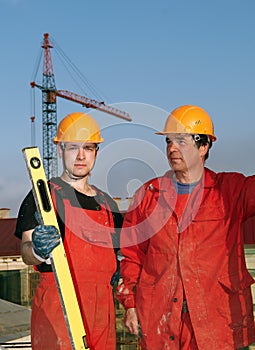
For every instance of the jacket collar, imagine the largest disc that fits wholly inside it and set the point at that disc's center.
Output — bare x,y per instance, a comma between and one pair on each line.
166,182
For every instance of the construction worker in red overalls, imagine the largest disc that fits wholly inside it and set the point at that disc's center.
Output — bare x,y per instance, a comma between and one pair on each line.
88,220
185,279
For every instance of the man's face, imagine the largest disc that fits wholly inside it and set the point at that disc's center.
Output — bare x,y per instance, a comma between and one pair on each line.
182,153
79,158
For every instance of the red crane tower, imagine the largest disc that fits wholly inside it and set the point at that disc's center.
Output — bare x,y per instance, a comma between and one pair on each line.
49,109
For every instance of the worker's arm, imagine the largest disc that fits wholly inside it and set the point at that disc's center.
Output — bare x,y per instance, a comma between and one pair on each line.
37,244
26,249
134,252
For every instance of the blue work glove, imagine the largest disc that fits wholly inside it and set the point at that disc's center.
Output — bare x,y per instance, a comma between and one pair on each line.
44,240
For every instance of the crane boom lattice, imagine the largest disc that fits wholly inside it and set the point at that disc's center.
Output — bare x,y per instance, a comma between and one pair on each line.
90,103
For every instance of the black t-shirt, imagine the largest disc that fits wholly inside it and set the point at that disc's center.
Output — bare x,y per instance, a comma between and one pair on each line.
28,218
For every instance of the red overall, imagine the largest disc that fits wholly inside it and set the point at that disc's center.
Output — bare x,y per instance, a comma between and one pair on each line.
92,263
200,259
186,334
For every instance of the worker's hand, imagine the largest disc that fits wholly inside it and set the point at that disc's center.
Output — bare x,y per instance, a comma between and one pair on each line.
44,240
131,321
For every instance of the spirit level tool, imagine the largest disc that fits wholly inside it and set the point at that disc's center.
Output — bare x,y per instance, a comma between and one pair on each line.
58,257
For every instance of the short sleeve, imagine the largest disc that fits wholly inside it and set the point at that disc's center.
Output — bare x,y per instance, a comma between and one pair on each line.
26,217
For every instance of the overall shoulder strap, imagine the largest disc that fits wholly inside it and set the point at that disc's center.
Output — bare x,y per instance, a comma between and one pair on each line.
58,193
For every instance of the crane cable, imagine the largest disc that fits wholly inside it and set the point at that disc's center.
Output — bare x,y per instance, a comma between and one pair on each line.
37,64
32,98
85,81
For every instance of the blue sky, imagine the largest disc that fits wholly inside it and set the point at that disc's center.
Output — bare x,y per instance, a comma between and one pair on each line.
147,57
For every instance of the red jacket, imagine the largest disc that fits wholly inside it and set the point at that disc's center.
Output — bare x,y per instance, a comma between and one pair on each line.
201,255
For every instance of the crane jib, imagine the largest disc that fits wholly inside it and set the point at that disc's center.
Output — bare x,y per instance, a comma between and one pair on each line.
83,100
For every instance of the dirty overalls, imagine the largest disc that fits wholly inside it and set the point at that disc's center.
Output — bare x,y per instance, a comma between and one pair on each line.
88,246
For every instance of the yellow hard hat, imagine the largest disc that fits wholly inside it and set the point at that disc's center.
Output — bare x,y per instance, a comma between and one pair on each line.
189,119
78,127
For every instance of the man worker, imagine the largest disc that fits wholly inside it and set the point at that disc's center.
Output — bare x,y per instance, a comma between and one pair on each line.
184,274
88,220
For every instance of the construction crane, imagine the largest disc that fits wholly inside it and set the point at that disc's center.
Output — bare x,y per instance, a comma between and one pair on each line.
49,109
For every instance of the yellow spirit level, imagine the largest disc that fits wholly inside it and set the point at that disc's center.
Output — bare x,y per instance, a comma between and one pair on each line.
58,258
